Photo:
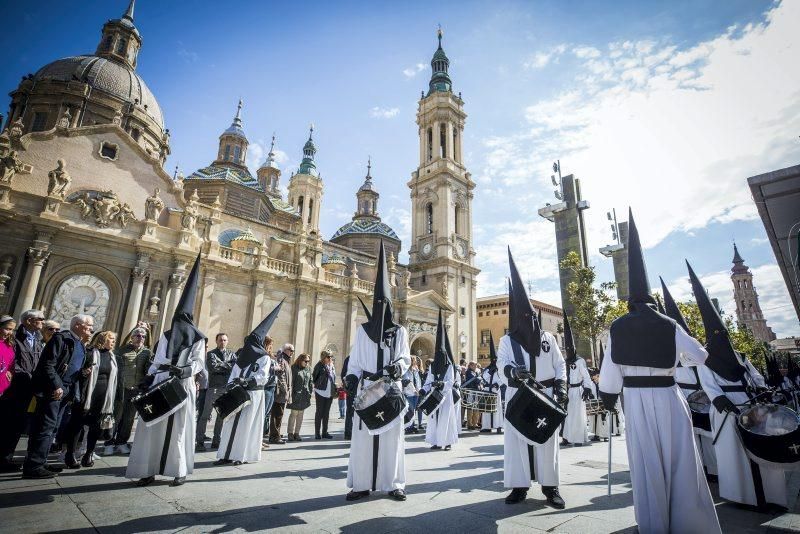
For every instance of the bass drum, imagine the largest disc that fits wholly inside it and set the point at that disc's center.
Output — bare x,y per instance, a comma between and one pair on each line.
700,406
232,402
771,435
380,406
534,415
160,401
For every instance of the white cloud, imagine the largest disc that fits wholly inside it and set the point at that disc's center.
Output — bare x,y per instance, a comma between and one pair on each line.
256,153
539,60
383,113
411,72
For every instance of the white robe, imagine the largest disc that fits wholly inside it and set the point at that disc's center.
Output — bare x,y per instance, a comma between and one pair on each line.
516,459
686,375
245,443
670,492
391,474
148,441
575,429
445,422
495,419
736,473
599,423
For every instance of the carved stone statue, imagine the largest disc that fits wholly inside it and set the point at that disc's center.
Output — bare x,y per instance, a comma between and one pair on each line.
65,120
106,207
125,214
59,180
153,206
84,203
189,217
444,287
117,118
10,165
15,131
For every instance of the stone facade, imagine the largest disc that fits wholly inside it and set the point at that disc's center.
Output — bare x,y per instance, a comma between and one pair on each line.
93,223
748,309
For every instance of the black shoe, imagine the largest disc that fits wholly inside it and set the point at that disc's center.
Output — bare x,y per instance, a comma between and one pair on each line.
53,468
87,461
435,447
277,442
595,438
9,467
237,462
356,495
447,447
200,447
486,430
553,497
347,436
499,430
178,481
326,436
517,495
71,462
564,442
39,472
223,461
398,495
142,482
317,437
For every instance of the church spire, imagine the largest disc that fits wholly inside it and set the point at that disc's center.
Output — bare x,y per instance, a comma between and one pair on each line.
738,262
307,166
129,12
236,125
120,39
440,79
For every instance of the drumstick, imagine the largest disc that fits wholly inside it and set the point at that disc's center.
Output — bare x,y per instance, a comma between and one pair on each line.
610,439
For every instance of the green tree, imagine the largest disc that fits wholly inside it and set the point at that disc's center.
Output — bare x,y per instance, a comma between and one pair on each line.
592,305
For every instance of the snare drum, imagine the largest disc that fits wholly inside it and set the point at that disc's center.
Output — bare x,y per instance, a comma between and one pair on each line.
232,402
431,401
771,435
595,407
534,415
700,406
160,401
380,406
480,401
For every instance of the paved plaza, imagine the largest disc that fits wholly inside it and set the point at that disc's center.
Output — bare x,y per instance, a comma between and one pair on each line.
300,487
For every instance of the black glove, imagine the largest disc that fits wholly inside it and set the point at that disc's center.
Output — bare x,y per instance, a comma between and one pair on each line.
521,374
560,393
438,384
393,371
351,384
250,383
181,372
422,393
587,394
724,404
609,400
146,383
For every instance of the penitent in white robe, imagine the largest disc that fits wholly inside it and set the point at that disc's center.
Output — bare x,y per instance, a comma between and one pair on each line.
737,472
444,422
391,473
518,456
670,492
240,439
575,429
149,442
688,381
494,419
599,423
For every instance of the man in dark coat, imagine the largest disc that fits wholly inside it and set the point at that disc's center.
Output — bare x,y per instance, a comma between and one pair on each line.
55,384
17,398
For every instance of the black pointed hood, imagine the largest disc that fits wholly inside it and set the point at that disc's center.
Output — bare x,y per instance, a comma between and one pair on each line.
523,324
642,337
721,354
183,333
253,348
570,355
380,320
492,353
660,306
602,356
441,356
364,306
639,287
671,308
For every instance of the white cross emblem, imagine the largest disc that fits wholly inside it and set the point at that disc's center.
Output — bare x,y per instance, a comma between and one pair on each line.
541,422
148,408
379,415
794,448
545,345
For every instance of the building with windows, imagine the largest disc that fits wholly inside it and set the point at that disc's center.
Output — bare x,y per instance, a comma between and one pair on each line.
492,317
92,222
748,309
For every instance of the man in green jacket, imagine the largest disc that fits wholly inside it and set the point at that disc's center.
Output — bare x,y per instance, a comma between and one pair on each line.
135,358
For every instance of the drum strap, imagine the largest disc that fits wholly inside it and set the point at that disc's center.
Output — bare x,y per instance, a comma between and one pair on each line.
519,359
531,463
758,485
376,440
686,385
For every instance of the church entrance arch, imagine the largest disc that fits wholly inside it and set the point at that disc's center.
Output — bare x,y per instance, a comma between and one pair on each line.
422,346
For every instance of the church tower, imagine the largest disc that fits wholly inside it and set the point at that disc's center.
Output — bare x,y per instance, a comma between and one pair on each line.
269,174
305,188
748,310
441,257
233,143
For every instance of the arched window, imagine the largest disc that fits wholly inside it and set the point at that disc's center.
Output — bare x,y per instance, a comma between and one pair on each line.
743,306
227,153
122,46
300,206
108,42
430,144
443,140
429,218
237,151
310,209
456,215
456,154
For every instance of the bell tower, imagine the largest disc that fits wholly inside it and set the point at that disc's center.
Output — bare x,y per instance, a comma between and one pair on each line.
748,309
441,257
305,188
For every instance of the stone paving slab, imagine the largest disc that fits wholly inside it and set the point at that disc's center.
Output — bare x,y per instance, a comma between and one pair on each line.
300,487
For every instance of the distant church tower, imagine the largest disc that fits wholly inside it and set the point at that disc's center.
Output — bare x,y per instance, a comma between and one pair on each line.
441,257
748,310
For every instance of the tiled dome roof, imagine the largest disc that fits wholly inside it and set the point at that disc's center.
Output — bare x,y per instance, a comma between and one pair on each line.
366,226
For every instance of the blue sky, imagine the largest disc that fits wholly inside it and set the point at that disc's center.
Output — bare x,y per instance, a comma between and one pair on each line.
667,107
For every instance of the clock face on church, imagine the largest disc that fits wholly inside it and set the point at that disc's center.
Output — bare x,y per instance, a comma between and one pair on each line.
427,248
462,250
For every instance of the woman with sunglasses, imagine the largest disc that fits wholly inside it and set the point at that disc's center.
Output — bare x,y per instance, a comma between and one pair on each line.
302,389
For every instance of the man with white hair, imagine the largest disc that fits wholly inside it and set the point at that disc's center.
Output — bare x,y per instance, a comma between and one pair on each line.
135,359
27,350
49,327
55,384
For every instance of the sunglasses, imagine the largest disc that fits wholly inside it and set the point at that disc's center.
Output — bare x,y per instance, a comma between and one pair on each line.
52,329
